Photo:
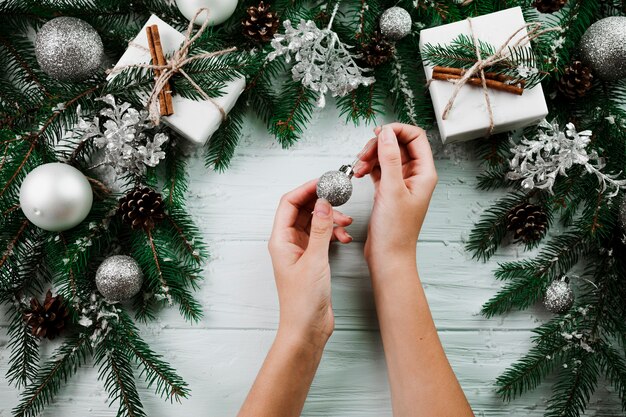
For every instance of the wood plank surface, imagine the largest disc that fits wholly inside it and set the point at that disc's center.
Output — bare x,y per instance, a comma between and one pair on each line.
220,356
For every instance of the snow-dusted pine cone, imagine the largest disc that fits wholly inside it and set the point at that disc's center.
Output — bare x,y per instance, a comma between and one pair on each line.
260,24
528,222
47,319
549,6
142,208
575,81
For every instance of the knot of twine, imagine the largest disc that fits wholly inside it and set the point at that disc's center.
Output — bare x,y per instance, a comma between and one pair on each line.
174,65
501,54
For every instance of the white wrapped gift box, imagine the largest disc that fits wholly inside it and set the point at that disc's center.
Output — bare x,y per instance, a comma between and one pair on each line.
196,120
469,117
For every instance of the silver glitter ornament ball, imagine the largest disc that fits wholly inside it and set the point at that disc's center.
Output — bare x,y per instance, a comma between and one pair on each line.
69,49
119,278
559,297
395,23
335,186
603,48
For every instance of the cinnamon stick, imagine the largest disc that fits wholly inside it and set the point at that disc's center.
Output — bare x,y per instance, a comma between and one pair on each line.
493,84
488,75
166,107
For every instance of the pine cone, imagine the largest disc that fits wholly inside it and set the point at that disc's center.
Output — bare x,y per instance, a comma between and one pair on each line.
49,319
528,222
575,81
260,24
549,6
142,208
377,51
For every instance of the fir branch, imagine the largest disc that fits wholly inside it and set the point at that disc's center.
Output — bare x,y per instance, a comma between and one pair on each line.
53,374
24,359
157,265
294,108
547,353
115,367
574,386
156,372
221,146
530,278
488,233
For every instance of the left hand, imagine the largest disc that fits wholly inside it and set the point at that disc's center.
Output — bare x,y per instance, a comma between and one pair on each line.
303,229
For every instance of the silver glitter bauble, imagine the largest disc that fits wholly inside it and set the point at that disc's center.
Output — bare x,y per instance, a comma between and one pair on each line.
395,23
559,296
119,278
603,48
335,186
69,49
55,197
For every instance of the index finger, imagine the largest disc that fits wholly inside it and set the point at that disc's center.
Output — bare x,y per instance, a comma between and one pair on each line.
292,202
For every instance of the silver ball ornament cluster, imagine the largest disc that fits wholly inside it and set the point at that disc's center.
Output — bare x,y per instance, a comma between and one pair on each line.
559,296
395,23
603,48
69,49
119,278
335,186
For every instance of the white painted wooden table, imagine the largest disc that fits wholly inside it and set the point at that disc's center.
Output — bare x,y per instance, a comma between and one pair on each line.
220,356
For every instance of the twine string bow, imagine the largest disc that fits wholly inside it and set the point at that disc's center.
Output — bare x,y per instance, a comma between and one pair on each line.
174,65
501,54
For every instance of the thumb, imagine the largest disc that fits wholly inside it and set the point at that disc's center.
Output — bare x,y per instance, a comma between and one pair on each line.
389,157
321,229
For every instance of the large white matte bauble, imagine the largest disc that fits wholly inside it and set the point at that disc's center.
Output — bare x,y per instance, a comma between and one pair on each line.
219,10
55,197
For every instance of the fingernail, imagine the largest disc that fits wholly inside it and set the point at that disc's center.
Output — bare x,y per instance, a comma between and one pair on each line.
386,135
322,208
349,237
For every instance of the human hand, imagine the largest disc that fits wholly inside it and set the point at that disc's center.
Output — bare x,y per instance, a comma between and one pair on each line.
400,163
299,250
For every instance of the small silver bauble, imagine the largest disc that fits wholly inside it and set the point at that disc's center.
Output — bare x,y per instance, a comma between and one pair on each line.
603,48
559,296
119,278
55,197
335,186
395,23
69,49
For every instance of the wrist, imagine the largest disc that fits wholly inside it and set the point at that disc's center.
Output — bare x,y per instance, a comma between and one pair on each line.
306,339
379,260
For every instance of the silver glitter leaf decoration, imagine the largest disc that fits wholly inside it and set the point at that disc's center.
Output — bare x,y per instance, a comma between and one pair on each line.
124,137
540,161
323,63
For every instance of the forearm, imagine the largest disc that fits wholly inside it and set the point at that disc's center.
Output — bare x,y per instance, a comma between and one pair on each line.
283,382
421,379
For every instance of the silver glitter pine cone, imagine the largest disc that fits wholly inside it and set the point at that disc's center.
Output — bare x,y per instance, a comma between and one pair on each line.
603,48
69,49
559,297
335,186
119,278
395,23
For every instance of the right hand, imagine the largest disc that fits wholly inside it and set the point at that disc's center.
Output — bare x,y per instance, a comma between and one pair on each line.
400,163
